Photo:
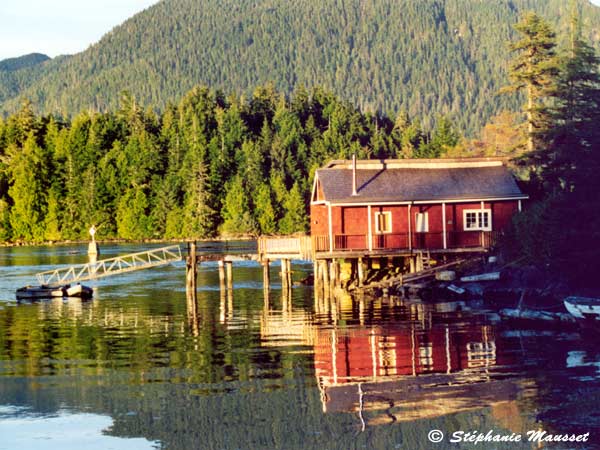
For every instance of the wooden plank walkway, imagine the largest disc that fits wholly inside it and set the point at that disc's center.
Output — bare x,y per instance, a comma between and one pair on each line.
111,266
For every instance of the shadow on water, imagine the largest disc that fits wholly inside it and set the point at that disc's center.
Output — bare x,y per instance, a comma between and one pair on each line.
252,369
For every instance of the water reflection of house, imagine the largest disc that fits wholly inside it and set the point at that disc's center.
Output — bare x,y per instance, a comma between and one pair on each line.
343,355
408,373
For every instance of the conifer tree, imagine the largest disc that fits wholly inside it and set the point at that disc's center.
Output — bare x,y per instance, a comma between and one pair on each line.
265,213
29,175
573,158
534,70
294,219
237,218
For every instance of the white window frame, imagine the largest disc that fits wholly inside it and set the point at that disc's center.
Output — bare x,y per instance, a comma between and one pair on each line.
478,226
425,223
378,216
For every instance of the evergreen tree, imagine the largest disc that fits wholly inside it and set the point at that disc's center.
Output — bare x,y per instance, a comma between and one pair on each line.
294,219
5,227
264,211
29,175
237,218
534,69
132,220
573,159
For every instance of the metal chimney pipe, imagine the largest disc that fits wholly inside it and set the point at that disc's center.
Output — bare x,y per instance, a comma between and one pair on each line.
354,175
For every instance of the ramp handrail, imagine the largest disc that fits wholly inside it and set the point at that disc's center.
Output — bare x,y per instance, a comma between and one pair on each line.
111,266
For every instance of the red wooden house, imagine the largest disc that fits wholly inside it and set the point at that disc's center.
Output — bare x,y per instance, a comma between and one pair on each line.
383,207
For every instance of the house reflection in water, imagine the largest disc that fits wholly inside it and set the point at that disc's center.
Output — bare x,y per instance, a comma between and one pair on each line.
403,372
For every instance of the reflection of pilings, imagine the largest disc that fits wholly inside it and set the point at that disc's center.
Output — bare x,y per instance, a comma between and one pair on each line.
229,304
222,303
192,312
267,299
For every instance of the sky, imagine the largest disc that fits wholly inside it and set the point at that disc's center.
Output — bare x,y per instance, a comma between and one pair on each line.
58,27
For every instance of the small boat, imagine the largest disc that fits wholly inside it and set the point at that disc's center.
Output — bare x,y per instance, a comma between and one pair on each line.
491,276
585,309
45,291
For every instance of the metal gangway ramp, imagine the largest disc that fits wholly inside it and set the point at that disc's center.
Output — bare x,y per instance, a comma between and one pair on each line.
111,266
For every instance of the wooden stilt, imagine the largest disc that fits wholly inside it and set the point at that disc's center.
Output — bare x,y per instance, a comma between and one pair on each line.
191,269
336,273
284,275
229,271
266,275
361,271
221,264
326,280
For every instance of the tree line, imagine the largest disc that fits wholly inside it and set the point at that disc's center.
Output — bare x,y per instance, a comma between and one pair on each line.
209,165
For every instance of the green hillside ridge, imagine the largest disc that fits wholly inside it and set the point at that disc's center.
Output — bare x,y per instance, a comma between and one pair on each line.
22,62
425,57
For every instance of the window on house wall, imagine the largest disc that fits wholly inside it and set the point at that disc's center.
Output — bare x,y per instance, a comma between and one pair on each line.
422,223
477,219
383,222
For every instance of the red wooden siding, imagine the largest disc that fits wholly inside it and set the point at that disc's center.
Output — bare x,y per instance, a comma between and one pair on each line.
350,225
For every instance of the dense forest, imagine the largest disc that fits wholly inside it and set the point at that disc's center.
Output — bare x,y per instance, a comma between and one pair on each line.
209,165
425,57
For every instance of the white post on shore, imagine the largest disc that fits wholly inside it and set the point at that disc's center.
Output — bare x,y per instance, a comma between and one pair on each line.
93,249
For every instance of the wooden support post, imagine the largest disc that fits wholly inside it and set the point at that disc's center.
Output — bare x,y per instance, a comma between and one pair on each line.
361,271
191,269
266,275
316,275
411,260
229,270
326,280
221,264
335,273
284,275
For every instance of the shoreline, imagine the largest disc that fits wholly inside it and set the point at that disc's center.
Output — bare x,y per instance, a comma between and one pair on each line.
120,241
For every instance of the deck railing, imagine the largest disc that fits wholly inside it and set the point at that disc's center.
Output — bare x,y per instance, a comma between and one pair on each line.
402,241
391,241
300,245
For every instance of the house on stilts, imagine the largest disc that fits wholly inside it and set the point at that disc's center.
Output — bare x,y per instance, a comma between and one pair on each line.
371,209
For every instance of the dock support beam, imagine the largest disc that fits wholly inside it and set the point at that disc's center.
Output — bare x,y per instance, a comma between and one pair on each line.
221,264
326,280
361,271
191,271
229,270
266,275
286,274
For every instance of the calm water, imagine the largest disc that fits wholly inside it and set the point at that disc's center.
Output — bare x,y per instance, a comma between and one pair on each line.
139,367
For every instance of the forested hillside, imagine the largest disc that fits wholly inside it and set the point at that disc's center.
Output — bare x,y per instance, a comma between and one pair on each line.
207,165
425,57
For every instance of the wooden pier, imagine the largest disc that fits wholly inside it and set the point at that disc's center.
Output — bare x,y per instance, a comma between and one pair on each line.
111,266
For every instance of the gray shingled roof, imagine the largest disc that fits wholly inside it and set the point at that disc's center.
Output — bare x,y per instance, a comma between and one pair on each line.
418,184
